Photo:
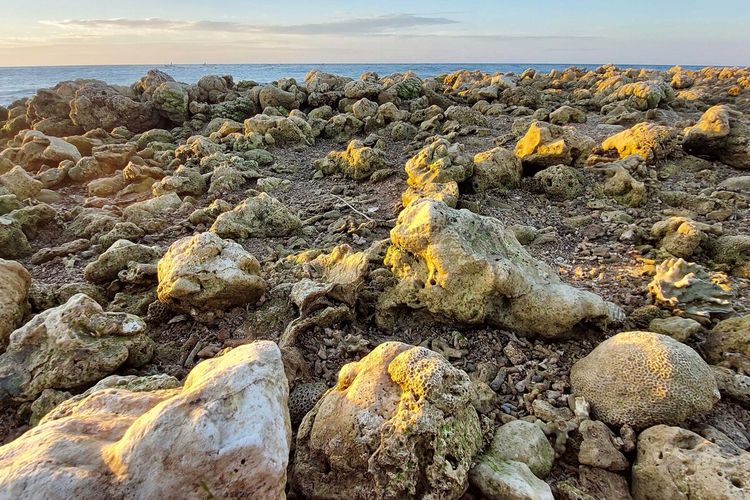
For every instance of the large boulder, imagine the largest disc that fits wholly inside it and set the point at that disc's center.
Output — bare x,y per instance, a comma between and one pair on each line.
678,464
649,141
69,346
260,216
205,273
642,379
15,281
224,434
170,99
720,134
642,95
399,422
98,105
545,145
461,267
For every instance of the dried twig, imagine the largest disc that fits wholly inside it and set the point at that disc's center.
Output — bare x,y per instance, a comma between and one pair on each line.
350,206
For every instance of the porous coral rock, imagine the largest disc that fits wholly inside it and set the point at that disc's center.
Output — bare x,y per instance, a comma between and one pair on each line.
730,337
116,258
20,183
281,130
462,267
677,463
642,379
435,171
496,168
330,294
398,422
357,161
681,236
545,145
155,214
722,134
620,184
642,95
259,216
560,182
649,141
203,273
686,288
69,346
225,433
98,105
15,281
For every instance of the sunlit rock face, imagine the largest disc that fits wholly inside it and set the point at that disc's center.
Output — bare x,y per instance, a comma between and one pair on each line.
224,434
70,346
721,134
435,171
649,141
545,145
205,273
399,422
642,379
458,266
15,281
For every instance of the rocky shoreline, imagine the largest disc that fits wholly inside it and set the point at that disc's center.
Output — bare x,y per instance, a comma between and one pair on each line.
467,286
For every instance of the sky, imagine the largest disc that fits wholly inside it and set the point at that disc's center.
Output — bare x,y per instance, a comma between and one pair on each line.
66,32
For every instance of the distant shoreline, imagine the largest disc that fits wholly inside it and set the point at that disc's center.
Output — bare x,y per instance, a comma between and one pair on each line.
23,81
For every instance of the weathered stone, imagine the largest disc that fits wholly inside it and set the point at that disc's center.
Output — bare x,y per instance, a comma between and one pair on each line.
15,281
224,434
203,273
69,346
722,134
260,216
649,141
398,422
462,267
116,258
676,463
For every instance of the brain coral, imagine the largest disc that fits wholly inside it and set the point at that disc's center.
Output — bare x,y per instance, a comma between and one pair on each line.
642,379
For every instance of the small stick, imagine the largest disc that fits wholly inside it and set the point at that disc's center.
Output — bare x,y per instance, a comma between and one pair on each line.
350,206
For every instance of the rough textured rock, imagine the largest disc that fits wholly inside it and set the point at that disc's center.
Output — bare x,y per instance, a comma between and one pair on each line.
560,182
597,448
730,337
170,99
545,145
642,95
680,329
620,184
69,346
260,216
435,171
687,288
98,105
649,141
398,423
676,463
720,134
18,182
466,268
508,480
358,161
524,442
204,273
280,130
496,168
662,380
116,258
15,281
224,434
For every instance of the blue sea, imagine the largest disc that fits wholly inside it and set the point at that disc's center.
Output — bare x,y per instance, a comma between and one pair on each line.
16,83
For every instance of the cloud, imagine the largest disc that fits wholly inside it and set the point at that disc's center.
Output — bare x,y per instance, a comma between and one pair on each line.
385,24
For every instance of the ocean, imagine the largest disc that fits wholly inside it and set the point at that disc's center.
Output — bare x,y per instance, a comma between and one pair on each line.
16,83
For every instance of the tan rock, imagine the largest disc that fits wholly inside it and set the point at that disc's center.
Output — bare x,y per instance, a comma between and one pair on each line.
15,281
224,434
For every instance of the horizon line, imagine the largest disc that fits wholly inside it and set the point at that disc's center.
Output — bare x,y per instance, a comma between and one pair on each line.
568,64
